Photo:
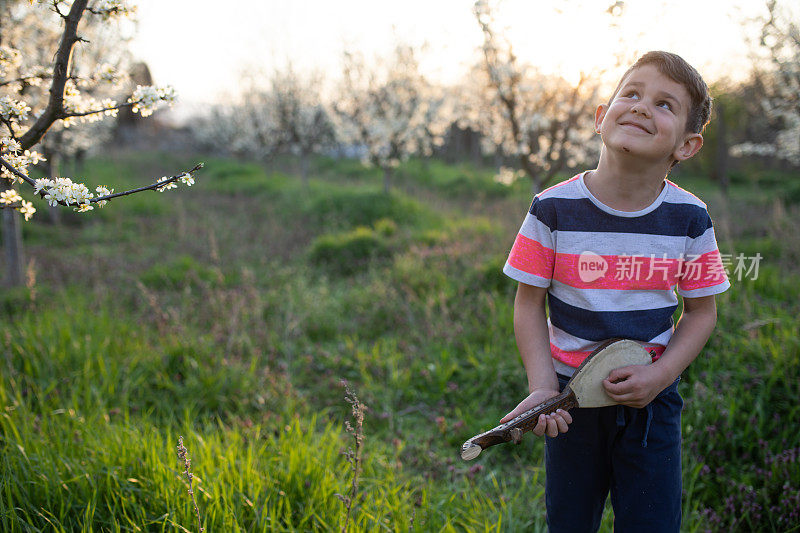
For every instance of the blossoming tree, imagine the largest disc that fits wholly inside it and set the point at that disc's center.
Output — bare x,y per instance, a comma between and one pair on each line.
390,109
302,124
67,102
282,112
780,82
542,121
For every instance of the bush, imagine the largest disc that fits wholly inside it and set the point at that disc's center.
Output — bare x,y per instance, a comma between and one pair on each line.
359,207
489,276
347,253
184,270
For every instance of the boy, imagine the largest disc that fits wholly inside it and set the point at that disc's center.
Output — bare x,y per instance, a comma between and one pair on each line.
608,247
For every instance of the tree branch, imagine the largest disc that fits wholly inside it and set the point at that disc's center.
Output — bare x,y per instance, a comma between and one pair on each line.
67,114
157,185
24,79
16,172
55,105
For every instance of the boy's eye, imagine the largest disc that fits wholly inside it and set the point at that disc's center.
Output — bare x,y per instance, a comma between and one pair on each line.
665,105
631,94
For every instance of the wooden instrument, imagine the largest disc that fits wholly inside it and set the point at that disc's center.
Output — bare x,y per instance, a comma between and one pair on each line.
585,389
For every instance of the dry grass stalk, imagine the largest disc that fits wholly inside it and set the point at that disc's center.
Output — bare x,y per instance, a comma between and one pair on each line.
353,455
183,455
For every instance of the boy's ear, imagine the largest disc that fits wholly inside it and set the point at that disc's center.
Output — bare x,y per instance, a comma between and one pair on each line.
599,115
691,145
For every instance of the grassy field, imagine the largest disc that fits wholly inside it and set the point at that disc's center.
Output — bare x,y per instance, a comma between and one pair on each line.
231,313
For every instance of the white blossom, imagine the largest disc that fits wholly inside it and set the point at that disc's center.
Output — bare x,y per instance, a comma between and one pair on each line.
113,8
64,190
103,191
146,99
106,73
20,162
10,196
170,185
42,183
27,209
9,144
13,110
507,176
9,58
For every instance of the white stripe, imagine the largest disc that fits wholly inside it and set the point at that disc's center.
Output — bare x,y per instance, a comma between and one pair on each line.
702,244
524,277
535,229
613,299
639,244
705,291
570,191
676,195
567,342
563,368
662,338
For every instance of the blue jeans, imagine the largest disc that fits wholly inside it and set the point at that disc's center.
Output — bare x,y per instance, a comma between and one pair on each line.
633,453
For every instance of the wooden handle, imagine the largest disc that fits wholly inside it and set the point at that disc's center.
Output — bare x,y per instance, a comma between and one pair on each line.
513,429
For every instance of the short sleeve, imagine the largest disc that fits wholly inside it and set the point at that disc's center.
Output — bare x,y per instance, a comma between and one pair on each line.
532,256
702,270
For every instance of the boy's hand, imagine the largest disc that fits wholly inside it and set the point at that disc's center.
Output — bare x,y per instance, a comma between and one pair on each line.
634,385
551,424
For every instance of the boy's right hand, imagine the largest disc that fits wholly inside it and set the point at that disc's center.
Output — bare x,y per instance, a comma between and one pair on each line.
551,424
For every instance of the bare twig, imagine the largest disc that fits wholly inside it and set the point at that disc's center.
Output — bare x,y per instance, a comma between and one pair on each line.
183,455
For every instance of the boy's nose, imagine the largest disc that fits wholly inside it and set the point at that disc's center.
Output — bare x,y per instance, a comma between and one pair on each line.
640,109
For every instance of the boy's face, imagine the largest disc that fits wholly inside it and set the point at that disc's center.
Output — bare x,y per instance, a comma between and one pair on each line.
647,118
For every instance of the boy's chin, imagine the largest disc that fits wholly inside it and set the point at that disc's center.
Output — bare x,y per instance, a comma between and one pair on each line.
631,150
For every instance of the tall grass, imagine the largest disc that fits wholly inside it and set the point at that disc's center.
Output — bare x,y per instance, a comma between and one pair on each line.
209,314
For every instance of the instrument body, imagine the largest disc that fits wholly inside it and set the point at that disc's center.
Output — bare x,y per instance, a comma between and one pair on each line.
585,389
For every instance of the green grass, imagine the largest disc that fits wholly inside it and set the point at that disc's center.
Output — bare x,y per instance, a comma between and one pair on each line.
230,313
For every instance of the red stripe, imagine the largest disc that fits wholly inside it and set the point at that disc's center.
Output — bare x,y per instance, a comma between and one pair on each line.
706,270
574,359
532,257
590,271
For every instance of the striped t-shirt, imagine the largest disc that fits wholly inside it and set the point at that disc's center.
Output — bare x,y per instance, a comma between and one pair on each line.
613,273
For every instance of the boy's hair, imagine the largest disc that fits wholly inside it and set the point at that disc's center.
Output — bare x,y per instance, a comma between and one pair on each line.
678,70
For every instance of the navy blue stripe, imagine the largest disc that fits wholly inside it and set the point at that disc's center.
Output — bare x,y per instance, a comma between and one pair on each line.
601,325
568,214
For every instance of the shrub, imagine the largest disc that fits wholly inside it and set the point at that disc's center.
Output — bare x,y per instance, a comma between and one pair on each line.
489,276
179,272
359,207
347,253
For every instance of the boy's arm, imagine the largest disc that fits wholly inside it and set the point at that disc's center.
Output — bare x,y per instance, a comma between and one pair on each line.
533,341
636,386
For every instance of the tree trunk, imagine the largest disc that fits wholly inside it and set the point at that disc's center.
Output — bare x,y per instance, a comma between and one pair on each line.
532,172
720,171
475,148
387,180
304,170
12,242
52,170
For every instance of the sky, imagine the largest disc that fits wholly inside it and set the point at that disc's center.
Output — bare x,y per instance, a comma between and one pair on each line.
203,49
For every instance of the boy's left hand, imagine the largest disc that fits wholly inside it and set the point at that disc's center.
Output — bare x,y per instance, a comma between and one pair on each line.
634,385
